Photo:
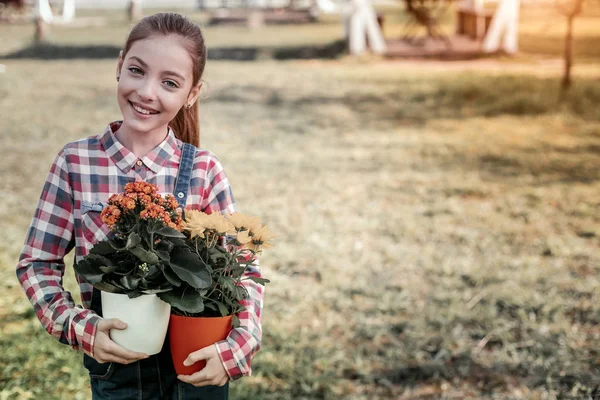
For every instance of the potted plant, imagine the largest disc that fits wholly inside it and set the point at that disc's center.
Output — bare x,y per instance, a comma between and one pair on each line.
134,264
225,246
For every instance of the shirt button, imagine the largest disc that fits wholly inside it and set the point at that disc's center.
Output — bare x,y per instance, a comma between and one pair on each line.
139,163
180,195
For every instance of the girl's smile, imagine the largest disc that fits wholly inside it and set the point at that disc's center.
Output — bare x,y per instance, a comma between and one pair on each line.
145,111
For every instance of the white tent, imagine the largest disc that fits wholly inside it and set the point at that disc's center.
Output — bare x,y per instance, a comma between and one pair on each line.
505,21
360,23
504,28
44,11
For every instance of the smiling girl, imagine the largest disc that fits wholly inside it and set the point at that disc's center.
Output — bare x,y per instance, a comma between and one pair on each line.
159,75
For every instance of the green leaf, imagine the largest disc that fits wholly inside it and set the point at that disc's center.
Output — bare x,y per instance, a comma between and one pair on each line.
90,267
145,235
98,260
132,241
144,255
216,256
170,232
124,267
108,269
241,293
222,309
163,249
235,322
165,244
163,255
135,293
115,242
169,275
229,302
190,268
153,272
157,290
184,299
88,272
226,283
103,248
260,281
130,282
109,287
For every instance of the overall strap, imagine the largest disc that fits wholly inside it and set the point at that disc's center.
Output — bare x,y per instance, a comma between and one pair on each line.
182,182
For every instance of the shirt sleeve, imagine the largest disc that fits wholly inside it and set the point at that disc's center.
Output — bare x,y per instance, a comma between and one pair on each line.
41,265
237,350
244,341
217,192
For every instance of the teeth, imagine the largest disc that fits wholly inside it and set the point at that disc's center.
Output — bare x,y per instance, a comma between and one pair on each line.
141,110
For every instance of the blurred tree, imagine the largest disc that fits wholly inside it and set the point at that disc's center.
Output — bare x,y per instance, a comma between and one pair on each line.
570,9
19,5
426,13
41,29
134,12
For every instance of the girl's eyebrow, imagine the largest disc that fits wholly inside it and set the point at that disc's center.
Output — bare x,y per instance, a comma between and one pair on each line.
143,64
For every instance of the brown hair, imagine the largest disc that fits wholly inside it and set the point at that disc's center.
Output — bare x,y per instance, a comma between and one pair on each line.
185,124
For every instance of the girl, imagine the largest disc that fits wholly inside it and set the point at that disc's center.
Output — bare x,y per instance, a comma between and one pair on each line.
159,75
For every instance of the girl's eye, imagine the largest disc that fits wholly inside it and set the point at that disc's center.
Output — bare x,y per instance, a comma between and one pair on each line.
135,70
171,84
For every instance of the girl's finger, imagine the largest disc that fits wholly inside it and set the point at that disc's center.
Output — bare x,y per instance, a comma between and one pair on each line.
195,378
224,381
120,360
112,358
121,352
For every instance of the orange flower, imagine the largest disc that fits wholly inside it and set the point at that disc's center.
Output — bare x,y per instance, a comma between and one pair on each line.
140,187
110,215
145,199
172,202
129,204
142,195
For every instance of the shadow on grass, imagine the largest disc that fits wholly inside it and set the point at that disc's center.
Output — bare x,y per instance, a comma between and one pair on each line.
462,366
49,51
494,378
34,365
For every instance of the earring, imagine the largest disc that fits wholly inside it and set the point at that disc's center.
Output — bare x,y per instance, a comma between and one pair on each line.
188,106
118,78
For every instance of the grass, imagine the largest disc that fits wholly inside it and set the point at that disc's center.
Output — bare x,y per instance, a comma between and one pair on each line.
437,230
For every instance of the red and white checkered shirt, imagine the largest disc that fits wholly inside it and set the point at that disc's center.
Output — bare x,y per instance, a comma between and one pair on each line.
87,172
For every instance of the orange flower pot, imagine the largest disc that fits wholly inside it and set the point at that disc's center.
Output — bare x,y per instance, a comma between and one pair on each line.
189,334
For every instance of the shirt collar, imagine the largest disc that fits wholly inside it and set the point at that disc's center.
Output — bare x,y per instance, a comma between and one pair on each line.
125,159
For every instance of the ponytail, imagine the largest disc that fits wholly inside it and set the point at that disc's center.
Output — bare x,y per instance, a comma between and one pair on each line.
186,125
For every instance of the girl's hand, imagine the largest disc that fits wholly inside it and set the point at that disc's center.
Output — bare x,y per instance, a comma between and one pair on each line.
105,350
212,374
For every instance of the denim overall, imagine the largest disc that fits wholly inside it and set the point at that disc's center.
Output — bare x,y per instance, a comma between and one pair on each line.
155,377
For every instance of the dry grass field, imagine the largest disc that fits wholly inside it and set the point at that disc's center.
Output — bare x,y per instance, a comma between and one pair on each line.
438,228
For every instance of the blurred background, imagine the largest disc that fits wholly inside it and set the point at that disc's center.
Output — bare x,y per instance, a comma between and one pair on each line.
435,191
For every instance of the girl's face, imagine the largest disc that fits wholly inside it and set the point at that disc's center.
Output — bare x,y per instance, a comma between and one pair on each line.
155,81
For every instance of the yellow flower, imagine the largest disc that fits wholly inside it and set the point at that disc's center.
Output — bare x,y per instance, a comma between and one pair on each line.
195,222
260,239
244,222
219,224
243,237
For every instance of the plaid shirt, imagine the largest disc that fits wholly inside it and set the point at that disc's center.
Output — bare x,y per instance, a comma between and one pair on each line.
83,176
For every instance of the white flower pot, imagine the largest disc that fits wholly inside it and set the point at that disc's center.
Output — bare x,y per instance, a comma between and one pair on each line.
147,319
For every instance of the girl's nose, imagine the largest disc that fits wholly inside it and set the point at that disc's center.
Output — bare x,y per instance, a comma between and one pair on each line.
147,90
